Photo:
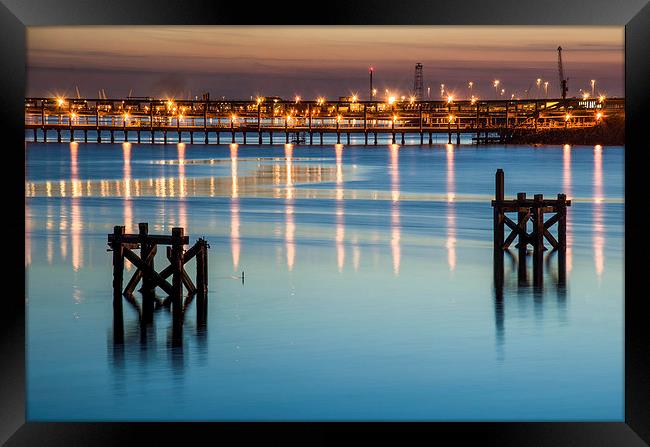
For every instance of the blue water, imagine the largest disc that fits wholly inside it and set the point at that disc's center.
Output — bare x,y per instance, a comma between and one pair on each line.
368,291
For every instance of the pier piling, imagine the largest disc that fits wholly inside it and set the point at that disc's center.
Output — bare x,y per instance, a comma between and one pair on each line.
122,245
534,210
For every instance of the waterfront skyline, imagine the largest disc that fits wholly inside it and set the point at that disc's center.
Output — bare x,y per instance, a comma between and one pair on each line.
310,61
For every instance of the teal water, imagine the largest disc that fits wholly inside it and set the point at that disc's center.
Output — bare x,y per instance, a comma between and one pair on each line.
368,290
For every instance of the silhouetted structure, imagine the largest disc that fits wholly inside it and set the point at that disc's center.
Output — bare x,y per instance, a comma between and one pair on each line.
151,121
528,210
122,246
418,82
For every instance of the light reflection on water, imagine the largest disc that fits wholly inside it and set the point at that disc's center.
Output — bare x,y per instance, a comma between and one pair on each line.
599,237
361,302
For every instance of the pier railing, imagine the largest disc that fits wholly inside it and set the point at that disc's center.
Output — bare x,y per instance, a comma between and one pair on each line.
144,117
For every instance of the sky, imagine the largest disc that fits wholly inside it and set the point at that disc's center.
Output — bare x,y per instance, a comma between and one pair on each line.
239,62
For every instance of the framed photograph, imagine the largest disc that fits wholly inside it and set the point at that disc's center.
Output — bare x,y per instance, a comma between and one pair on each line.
378,220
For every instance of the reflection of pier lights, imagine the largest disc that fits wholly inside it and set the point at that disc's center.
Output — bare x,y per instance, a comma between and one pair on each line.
235,241
340,212
182,186
76,224
395,211
566,186
598,226
290,229
128,204
451,210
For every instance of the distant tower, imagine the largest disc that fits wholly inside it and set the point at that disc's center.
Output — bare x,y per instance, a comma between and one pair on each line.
563,80
418,82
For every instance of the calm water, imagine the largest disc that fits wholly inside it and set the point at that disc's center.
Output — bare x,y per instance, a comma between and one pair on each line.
368,290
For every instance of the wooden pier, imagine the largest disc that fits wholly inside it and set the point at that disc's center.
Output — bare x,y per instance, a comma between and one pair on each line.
122,246
303,122
527,210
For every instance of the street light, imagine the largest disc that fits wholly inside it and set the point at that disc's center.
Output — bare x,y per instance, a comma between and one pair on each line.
539,86
545,89
470,84
593,87
496,87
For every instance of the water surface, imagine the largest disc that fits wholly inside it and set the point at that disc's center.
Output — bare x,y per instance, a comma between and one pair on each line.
368,291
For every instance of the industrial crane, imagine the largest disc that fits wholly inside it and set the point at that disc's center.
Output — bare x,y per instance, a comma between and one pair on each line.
563,86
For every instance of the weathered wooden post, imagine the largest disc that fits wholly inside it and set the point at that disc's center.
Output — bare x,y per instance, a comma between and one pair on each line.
561,238
202,282
538,239
498,225
118,264
177,270
522,239
147,284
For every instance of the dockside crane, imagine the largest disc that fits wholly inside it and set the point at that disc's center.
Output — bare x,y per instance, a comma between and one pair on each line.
563,81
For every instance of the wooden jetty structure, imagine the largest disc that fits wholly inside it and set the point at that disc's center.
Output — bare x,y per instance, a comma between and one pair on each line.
147,120
527,210
122,246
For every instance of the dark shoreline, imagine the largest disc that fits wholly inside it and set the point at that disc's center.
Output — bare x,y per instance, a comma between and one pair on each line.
611,133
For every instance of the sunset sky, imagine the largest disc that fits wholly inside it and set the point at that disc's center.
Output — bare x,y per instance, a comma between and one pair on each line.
243,61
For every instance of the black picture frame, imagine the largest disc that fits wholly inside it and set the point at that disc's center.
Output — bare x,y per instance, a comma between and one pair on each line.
15,15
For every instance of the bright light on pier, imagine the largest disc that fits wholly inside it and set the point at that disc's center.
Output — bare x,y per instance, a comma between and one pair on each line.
391,100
